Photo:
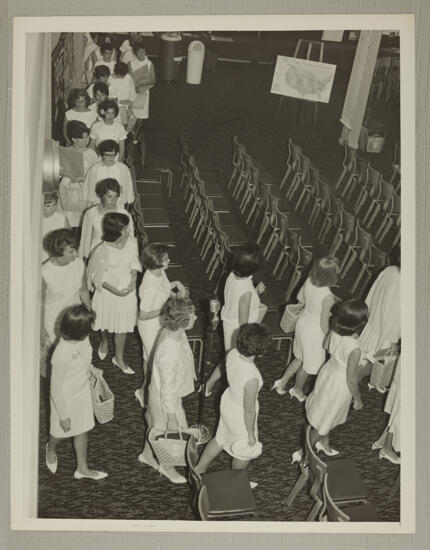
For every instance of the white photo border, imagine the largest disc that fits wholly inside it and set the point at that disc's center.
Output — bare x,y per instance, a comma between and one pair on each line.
403,23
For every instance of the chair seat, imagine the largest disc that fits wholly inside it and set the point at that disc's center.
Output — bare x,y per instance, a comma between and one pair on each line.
209,176
221,204
155,217
151,201
150,174
157,163
236,235
228,219
214,189
163,235
145,187
229,490
361,512
344,481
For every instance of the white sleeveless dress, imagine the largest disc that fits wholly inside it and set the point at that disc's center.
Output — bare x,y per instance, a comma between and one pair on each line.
328,405
231,425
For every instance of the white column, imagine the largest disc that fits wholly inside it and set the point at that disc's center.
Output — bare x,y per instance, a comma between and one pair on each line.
355,104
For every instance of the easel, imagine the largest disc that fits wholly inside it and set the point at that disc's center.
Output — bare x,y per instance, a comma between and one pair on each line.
309,44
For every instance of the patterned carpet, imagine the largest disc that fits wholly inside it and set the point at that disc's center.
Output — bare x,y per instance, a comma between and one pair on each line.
233,100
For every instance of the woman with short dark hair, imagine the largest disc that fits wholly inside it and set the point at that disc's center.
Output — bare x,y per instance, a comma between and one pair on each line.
108,191
337,381
72,413
64,280
79,102
173,376
154,291
112,272
237,427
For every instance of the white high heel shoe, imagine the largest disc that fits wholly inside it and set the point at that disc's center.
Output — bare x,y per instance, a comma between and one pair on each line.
329,452
277,386
299,397
127,370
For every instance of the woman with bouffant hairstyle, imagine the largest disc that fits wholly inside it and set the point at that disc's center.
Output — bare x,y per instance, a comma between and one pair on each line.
173,376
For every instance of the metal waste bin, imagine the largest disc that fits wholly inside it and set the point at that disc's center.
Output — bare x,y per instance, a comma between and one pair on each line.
372,137
196,56
170,56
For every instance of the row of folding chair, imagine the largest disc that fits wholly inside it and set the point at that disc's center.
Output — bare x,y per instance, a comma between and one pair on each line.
215,228
153,224
264,206
344,488
379,197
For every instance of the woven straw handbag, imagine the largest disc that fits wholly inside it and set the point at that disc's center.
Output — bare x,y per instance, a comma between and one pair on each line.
103,398
289,318
169,445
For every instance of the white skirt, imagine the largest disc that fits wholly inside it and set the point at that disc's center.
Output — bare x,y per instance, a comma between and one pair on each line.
116,314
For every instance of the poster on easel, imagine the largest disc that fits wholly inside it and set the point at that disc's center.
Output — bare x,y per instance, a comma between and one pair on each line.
303,79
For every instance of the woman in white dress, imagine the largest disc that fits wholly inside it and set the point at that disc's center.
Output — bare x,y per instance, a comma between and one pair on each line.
70,185
79,100
383,328
143,73
112,272
107,128
389,441
108,191
241,301
64,281
72,413
239,402
311,327
154,291
172,378
108,167
337,384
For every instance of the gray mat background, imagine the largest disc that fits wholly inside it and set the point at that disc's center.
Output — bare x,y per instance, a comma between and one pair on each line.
111,541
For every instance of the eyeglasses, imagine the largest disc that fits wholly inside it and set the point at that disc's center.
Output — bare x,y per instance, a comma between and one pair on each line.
109,155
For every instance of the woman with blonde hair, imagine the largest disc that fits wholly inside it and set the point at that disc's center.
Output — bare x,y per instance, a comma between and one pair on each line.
172,378
311,327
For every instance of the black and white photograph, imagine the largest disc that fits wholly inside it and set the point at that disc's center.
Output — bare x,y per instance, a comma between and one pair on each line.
212,252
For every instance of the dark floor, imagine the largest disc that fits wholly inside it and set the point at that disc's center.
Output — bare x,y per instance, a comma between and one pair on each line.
235,100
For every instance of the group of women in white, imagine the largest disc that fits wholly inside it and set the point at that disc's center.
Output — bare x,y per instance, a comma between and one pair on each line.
92,286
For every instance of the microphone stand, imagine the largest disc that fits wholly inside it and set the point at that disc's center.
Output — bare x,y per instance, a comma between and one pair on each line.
214,308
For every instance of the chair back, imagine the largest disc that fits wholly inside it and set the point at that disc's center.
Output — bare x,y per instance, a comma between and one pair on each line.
386,192
348,221
363,238
203,503
349,160
362,169
333,512
317,468
378,258
192,457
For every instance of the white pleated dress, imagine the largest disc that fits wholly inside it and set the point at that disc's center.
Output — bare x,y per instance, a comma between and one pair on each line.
328,404
117,314
70,388
231,426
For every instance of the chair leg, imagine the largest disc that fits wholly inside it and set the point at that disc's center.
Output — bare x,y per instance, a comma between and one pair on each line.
314,511
358,279
388,226
347,266
298,486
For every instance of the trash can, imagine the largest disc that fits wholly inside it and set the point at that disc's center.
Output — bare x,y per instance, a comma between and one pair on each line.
170,56
196,56
372,137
